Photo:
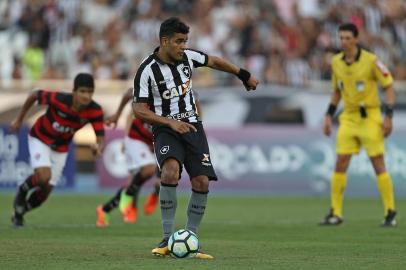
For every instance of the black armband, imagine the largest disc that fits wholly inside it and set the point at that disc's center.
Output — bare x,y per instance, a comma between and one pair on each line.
243,75
331,110
388,110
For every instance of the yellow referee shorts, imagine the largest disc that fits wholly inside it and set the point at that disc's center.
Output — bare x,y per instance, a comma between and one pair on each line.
355,132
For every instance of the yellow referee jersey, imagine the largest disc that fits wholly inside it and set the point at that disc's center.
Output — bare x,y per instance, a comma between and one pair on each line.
358,82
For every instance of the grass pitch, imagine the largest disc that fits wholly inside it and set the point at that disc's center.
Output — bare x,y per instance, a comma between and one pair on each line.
241,232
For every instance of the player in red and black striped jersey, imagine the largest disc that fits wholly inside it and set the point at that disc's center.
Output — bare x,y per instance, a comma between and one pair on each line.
141,165
58,125
141,131
50,136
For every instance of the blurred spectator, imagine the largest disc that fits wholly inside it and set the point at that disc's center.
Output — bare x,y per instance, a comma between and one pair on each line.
282,41
17,72
33,61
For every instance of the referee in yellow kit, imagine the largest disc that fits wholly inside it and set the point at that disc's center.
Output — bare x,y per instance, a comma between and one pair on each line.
355,76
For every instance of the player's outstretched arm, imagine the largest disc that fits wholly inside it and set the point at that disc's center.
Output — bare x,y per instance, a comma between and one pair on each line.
250,81
142,111
16,124
113,119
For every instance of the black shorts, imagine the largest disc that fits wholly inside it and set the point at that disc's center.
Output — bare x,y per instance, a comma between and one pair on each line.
190,149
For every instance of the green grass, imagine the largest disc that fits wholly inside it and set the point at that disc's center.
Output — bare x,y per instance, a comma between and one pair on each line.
241,232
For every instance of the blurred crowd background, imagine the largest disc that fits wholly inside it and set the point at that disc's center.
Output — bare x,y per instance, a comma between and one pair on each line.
286,42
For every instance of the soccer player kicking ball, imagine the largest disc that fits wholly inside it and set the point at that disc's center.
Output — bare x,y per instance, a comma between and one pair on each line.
356,73
163,96
141,165
49,139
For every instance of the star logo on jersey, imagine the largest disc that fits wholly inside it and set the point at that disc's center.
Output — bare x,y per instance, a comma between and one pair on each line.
164,149
186,71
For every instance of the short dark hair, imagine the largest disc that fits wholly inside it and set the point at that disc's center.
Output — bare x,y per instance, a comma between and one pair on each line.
349,27
83,80
171,26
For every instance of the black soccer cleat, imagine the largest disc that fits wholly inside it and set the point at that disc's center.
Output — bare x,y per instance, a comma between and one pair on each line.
331,219
17,221
390,220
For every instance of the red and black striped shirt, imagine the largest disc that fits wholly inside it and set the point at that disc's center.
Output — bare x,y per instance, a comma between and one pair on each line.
141,131
58,125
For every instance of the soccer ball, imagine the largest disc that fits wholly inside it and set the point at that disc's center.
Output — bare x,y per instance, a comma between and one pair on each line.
183,244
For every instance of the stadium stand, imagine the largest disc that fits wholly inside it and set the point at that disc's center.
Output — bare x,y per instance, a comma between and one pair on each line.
288,42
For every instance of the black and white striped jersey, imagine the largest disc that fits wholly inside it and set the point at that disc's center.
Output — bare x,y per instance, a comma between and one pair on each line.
167,88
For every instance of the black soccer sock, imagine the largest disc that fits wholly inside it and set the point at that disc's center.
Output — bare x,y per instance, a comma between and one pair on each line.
20,204
134,188
113,203
38,197
35,199
135,185
28,184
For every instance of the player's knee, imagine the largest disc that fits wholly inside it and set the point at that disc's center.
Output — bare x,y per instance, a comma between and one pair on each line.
43,176
378,163
148,171
169,176
170,172
342,163
200,183
379,168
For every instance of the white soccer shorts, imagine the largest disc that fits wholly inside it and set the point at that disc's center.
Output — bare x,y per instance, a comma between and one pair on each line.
41,155
138,154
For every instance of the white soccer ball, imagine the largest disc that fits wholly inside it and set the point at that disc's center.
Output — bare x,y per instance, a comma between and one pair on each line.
183,244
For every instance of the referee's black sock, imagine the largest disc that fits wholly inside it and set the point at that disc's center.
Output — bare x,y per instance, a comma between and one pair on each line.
113,203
